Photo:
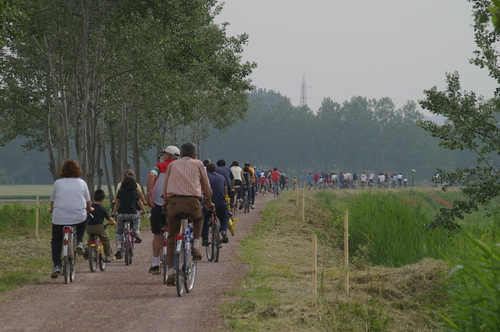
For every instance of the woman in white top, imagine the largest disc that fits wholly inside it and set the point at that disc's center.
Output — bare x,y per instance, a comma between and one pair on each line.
69,204
239,181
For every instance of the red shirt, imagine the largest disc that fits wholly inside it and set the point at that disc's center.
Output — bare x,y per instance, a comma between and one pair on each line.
275,176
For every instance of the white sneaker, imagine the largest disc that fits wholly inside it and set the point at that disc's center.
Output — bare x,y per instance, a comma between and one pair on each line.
80,250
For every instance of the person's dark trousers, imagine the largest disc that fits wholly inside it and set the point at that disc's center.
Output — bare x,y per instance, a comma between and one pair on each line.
57,239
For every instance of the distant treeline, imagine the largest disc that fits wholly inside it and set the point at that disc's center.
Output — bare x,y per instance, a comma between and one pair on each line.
358,135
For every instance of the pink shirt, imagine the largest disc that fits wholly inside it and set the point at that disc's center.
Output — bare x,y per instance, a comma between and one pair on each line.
186,177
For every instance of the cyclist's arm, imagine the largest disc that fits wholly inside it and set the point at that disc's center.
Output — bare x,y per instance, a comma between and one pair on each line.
242,178
141,205
112,221
51,206
90,209
117,204
207,190
149,189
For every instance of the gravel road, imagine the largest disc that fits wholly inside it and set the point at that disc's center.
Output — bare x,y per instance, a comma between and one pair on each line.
128,298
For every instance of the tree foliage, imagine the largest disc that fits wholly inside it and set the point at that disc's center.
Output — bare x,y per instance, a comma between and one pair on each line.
117,77
473,123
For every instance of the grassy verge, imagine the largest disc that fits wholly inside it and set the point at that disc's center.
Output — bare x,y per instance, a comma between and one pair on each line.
277,293
26,258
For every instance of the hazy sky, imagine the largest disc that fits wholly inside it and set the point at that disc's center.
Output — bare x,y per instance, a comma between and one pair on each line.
368,48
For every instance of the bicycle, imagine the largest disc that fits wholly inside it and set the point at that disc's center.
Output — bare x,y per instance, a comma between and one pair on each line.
234,208
95,251
276,189
69,253
214,238
184,264
128,240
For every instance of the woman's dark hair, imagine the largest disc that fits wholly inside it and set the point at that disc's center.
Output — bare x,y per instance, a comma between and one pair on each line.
70,169
129,183
235,163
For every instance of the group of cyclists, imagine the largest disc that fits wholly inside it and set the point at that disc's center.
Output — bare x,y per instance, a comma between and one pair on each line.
178,183
346,180
250,181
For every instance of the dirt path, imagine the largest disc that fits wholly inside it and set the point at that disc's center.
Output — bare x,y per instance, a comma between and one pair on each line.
129,298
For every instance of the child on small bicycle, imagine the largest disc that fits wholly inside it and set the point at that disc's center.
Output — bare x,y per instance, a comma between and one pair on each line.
95,225
125,208
263,182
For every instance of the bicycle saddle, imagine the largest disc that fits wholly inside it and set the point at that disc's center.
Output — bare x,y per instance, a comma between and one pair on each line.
182,215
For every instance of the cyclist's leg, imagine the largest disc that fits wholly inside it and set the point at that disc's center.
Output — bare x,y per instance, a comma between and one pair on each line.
80,231
56,244
137,227
157,221
223,216
120,228
105,240
204,231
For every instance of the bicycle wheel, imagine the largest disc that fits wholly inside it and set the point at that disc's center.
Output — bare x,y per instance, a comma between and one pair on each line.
127,248
216,244
72,265
189,269
71,259
246,204
235,204
210,237
66,269
190,277
102,263
93,258
179,269
164,264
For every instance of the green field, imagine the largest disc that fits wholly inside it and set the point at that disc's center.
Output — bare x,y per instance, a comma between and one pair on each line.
24,191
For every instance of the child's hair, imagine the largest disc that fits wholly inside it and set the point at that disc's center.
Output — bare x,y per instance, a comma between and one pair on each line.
99,195
129,183
129,172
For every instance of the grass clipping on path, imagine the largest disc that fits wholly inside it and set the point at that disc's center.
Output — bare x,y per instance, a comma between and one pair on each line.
276,295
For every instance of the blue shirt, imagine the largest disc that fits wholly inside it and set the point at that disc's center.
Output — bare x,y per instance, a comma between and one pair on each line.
217,183
228,175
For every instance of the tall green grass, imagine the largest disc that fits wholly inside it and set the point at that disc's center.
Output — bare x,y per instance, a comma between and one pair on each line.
474,284
20,219
385,228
